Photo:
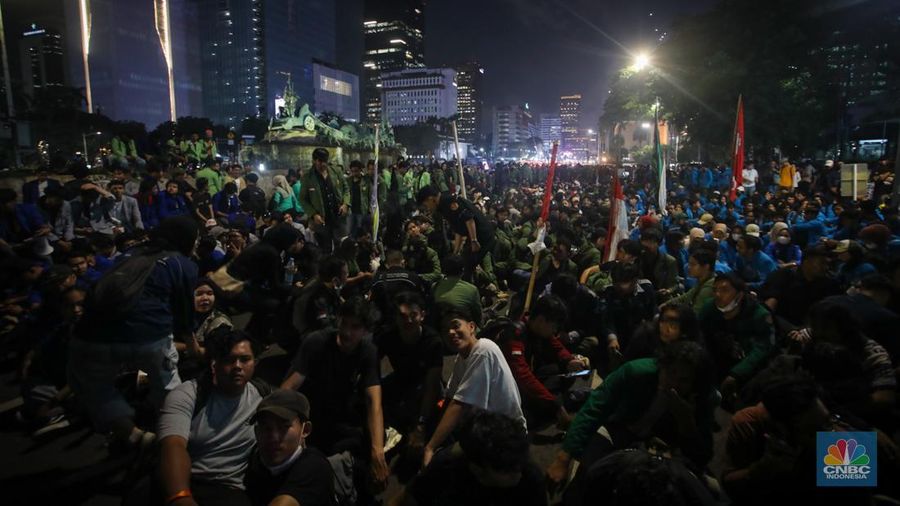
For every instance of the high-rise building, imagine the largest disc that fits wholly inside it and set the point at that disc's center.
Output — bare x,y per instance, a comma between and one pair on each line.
393,41
414,95
41,57
336,92
469,102
570,117
128,73
512,128
250,47
551,130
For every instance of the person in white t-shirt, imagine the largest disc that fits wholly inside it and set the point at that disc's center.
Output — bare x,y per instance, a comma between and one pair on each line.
749,180
481,379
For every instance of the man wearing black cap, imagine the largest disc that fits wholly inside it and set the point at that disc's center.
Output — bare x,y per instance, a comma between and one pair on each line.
326,200
473,233
790,293
283,470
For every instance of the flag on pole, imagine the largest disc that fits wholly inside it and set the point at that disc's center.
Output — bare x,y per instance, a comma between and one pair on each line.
618,221
538,244
373,201
737,162
659,162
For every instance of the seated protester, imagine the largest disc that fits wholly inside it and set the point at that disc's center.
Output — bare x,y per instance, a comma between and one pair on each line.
623,306
202,201
643,476
137,332
316,305
19,222
789,293
591,252
481,379
105,253
808,231
739,334
783,250
752,265
80,261
357,279
226,203
770,448
556,262
413,387
490,466
834,324
419,257
599,277
455,294
870,301
284,470
210,256
207,319
171,202
337,369
123,209
535,354
701,267
675,322
659,268
391,280
45,388
669,398
148,203
579,332
57,213
852,265
204,432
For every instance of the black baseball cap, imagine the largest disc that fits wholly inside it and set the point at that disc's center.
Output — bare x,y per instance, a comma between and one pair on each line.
285,404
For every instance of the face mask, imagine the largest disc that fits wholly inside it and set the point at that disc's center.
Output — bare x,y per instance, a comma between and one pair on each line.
735,237
730,307
784,240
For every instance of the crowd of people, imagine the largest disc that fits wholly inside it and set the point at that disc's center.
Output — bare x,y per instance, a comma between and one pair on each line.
288,346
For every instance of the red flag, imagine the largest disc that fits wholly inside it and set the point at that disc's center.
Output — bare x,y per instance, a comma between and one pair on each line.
548,186
737,163
618,221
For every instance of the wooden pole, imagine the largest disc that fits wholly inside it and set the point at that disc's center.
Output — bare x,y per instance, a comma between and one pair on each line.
459,167
548,187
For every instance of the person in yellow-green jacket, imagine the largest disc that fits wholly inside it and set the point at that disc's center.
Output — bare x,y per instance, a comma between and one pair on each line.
124,152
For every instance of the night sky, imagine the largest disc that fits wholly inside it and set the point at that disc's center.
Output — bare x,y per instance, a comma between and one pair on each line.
536,50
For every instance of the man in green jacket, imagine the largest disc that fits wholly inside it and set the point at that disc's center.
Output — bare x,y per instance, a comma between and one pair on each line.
454,293
739,333
213,176
124,152
702,267
670,398
325,198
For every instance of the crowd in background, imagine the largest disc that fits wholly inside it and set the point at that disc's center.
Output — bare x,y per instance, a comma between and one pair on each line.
272,347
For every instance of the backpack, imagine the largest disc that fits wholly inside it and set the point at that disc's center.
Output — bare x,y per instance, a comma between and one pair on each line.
501,328
117,291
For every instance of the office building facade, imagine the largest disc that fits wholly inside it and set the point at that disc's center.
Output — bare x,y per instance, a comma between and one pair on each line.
469,102
512,127
41,58
415,95
336,92
570,117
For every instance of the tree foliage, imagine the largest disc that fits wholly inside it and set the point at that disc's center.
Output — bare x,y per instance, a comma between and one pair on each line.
761,49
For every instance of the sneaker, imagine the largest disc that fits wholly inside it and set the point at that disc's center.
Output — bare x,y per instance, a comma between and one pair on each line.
55,423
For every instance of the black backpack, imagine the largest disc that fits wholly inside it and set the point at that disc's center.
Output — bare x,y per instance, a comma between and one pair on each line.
118,290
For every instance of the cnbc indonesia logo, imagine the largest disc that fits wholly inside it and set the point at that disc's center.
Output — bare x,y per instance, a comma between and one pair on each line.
847,461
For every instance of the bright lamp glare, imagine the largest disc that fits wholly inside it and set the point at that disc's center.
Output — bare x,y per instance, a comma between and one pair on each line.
641,61
262,167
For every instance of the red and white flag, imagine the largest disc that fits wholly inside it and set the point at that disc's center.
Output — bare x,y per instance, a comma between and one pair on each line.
618,221
737,162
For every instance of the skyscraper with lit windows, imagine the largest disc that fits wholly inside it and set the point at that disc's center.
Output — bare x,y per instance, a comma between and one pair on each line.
394,40
570,117
469,102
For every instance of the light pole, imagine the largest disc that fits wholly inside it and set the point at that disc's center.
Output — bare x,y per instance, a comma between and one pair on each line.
85,49
163,29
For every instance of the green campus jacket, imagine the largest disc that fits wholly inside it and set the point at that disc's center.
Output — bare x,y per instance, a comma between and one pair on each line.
311,192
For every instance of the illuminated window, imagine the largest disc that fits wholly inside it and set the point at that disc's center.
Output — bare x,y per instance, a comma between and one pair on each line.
335,86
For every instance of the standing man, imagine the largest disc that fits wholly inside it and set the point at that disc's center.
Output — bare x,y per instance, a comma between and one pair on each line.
213,176
326,199
360,191
473,233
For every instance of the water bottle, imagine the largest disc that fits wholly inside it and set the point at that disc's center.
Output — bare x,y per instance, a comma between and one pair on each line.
289,270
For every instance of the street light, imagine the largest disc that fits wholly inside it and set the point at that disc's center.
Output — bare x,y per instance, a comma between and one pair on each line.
641,61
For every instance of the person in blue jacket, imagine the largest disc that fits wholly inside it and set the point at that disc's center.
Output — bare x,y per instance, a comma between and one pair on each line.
752,265
812,227
171,203
19,222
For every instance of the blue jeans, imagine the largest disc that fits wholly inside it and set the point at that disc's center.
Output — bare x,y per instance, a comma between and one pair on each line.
94,367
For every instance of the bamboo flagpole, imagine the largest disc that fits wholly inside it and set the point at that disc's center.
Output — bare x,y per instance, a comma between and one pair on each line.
538,244
373,204
462,178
